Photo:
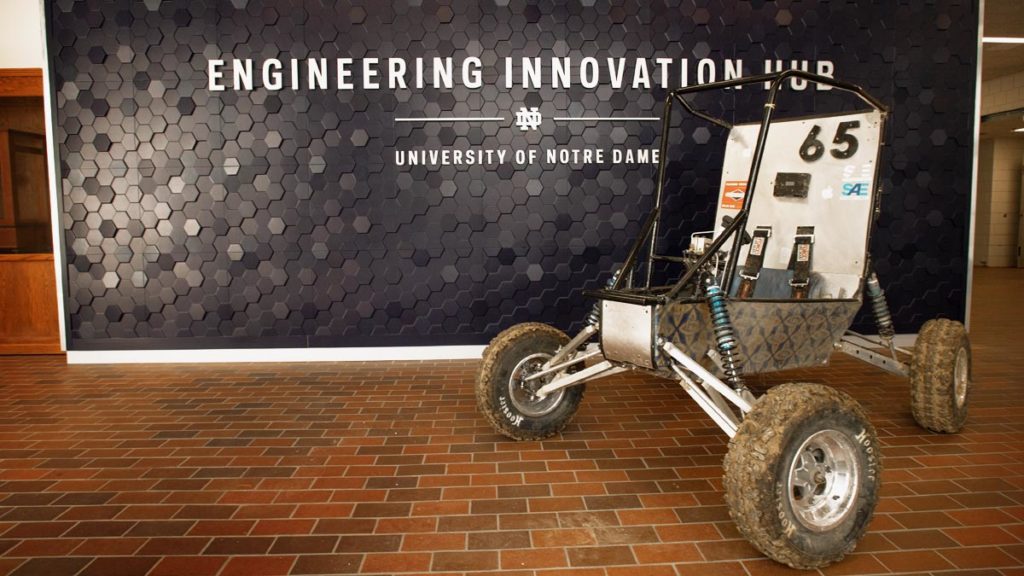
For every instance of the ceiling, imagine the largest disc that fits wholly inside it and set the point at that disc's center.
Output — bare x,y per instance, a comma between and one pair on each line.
1003,18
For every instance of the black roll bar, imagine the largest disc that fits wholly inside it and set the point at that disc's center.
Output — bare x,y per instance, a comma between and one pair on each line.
649,233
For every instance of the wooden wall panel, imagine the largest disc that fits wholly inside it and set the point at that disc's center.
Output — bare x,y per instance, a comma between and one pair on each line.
21,82
28,305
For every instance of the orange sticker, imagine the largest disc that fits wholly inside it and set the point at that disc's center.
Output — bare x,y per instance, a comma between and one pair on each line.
733,194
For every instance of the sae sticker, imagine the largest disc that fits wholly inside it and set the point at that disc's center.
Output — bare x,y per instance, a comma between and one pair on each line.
855,189
733,194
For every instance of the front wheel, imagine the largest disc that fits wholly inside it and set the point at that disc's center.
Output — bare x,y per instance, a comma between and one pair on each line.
802,475
505,396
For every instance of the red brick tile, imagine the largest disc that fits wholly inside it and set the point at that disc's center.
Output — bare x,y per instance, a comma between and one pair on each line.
441,508
666,553
228,546
601,556
464,561
917,560
767,567
467,523
980,535
704,569
560,538
375,510
857,565
625,535
100,529
304,545
191,565
48,547
919,539
333,510
119,566
533,559
92,512
406,525
110,546
283,527
173,546
261,566
358,543
556,504
498,540
431,542
688,532
979,557
979,517
658,571
328,564
343,525
8,565
635,479
51,567
221,528
529,521
396,562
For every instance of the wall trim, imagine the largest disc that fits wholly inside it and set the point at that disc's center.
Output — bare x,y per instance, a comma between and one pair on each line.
269,355
254,355
53,169
973,203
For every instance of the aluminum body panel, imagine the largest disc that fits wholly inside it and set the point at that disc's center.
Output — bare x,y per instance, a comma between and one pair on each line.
627,333
839,198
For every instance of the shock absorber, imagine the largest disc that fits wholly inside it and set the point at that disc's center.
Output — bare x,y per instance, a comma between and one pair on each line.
594,318
725,335
883,319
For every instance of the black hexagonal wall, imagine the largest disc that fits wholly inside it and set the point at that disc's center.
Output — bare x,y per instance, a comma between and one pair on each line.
269,218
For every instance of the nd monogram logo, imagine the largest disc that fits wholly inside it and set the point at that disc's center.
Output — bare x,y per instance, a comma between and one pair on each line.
528,119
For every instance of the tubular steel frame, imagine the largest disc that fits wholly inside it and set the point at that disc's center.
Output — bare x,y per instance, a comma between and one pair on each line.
649,233
712,394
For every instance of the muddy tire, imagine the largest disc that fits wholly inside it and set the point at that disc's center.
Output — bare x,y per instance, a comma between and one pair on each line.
802,475
507,401
940,376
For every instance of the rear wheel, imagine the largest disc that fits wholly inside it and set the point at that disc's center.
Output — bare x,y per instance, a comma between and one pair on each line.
508,399
802,475
940,376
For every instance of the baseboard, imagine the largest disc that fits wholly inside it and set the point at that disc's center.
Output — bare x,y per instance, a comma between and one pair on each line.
247,355
29,346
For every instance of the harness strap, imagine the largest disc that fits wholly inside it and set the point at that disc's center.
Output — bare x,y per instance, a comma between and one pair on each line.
800,261
755,261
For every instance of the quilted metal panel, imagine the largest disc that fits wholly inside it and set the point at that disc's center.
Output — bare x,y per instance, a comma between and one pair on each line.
772,335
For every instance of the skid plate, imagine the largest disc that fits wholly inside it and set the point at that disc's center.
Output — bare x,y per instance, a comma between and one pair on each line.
628,332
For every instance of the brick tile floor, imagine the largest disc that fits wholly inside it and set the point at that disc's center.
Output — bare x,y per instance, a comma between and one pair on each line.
388,468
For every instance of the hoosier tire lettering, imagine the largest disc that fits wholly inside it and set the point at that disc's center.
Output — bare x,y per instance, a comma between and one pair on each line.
497,381
802,475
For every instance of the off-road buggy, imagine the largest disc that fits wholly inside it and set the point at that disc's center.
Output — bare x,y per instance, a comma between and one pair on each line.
776,286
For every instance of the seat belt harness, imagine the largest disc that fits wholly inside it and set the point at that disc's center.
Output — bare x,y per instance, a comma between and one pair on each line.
800,262
755,261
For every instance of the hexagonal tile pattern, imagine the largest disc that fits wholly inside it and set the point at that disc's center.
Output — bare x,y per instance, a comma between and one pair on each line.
279,216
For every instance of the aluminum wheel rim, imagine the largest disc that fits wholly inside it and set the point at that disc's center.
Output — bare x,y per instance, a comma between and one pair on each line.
523,394
823,480
961,377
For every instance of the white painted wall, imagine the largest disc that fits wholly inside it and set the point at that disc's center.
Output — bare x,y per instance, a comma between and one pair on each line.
999,192
999,179
21,34
1001,94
